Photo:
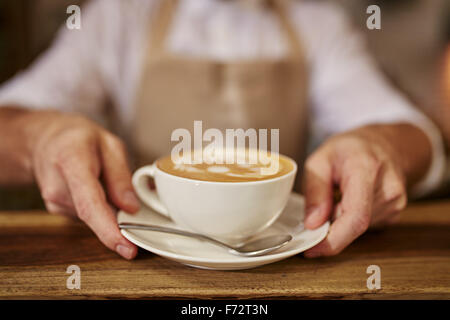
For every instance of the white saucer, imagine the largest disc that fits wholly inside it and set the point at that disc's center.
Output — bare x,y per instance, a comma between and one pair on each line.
200,254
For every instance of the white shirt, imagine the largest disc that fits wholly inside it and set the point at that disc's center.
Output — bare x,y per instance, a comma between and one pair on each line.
102,61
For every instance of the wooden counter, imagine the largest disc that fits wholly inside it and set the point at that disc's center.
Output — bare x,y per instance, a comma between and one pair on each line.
36,248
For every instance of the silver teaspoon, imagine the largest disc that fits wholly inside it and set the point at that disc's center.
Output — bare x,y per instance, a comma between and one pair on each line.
253,248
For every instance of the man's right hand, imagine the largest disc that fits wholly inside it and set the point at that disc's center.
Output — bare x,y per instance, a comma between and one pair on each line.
69,155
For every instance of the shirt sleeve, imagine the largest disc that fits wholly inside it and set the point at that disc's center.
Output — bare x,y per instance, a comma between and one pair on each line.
347,90
67,76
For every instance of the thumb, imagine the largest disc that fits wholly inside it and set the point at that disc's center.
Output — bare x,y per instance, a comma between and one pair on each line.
318,190
117,174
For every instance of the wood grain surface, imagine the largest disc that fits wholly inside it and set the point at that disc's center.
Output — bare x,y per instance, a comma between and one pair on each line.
36,248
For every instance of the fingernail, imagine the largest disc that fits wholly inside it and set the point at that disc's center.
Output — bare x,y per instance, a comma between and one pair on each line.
130,198
125,251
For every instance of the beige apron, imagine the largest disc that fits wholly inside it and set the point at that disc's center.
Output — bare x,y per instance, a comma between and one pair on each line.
257,94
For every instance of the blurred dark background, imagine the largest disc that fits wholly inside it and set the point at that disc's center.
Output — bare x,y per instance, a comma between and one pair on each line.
27,27
409,49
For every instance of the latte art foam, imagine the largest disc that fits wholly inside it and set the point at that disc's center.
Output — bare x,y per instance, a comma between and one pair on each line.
235,172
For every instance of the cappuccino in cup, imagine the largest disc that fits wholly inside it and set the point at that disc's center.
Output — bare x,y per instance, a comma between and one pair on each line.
227,201
227,172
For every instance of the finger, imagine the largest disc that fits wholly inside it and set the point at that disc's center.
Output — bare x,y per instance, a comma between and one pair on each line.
60,210
388,218
90,201
117,175
390,197
392,220
52,185
337,212
357,184
318,189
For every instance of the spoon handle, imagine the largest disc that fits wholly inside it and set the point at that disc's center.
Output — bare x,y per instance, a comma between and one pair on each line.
149,227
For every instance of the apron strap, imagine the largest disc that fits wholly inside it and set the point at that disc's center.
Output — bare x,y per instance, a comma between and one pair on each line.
161,24
293,41
164,15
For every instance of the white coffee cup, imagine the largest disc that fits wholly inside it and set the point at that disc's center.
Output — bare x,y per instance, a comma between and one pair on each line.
230,211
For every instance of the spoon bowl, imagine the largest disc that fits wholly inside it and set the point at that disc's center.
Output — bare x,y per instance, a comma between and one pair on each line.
262,246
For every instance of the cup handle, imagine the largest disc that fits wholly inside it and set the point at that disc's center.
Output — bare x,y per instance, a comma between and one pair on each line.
148,196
